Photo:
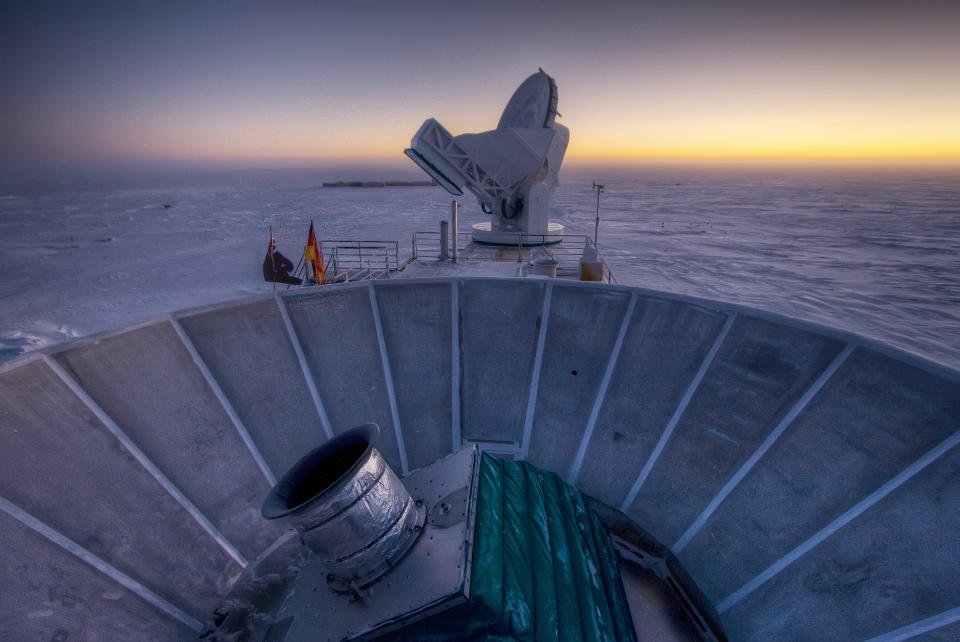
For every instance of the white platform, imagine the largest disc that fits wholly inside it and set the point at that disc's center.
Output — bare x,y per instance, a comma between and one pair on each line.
482,233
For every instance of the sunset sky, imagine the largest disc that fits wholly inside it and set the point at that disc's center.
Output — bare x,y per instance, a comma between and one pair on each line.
812,81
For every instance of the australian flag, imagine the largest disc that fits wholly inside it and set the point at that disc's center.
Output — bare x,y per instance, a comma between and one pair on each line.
277,267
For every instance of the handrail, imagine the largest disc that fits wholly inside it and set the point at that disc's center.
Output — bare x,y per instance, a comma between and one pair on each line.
371,259
357,253
426,244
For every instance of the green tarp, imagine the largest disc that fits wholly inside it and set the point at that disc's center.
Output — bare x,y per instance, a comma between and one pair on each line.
543,566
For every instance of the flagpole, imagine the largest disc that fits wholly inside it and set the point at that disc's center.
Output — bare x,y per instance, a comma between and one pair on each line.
319,259
273,263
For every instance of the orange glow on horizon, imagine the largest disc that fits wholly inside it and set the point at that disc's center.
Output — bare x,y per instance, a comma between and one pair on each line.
713,135
776,152
826,153
383,145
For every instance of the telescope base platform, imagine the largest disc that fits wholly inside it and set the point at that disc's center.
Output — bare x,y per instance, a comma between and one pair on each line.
484,235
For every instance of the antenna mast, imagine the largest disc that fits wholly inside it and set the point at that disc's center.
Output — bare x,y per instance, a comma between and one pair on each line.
596,228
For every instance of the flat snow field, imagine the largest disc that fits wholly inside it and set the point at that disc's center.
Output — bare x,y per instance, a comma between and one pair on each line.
874,252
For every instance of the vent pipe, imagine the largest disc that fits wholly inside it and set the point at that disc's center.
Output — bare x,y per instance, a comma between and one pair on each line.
350,508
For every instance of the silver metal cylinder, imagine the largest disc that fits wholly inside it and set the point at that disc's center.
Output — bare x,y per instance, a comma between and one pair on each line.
350,508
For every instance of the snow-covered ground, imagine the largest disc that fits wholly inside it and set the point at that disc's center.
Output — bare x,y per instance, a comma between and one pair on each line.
875,253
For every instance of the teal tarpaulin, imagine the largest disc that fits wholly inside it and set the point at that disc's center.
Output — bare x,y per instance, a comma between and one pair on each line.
543,566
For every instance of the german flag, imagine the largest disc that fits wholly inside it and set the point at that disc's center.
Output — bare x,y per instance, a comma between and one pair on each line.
313,255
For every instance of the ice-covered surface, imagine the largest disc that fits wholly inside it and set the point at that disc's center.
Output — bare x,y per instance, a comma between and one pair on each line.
875,252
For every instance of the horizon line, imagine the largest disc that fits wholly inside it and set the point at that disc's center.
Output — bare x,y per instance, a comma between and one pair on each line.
108,161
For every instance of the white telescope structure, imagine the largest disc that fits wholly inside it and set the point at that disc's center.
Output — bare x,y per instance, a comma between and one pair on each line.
512,170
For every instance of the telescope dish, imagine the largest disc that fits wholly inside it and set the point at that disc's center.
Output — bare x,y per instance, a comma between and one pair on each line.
533,104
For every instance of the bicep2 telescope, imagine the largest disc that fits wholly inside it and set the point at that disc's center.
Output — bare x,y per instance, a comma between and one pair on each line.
512,170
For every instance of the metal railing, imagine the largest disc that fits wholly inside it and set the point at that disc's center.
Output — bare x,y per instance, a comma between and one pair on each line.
565,249
426,245
348,260
569,253
360,260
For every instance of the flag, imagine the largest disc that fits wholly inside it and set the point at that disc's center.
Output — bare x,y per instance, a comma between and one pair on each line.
277,267
269,263
313,255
